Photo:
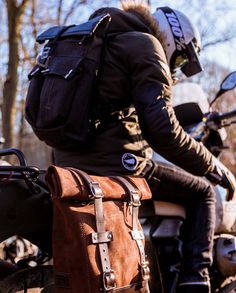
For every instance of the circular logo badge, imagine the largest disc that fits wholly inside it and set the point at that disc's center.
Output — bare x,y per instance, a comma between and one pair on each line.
129,161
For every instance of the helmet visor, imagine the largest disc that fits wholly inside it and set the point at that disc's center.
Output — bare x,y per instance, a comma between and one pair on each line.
180,60
193,65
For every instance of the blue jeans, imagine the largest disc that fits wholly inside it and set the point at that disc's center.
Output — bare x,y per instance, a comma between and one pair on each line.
197,195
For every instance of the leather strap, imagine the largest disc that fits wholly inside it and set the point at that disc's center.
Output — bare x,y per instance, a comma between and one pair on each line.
136,234
102,236
133,288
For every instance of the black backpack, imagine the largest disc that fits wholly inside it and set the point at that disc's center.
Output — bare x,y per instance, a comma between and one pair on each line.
61,90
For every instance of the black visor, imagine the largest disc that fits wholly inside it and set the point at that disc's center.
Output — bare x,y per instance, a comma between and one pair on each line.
193,65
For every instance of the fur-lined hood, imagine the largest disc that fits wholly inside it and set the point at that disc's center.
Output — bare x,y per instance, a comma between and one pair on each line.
130,19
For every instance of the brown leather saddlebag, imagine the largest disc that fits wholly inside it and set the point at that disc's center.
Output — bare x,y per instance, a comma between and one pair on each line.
98,242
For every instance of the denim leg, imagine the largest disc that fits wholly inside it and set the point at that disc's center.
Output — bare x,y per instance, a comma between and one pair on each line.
197,195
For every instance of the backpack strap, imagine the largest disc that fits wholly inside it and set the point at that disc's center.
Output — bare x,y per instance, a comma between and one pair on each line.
101,237
136,234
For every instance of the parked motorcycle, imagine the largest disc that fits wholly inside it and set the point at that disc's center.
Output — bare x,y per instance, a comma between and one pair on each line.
162,227
26,210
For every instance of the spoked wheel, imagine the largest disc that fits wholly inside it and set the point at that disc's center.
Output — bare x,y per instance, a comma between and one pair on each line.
30,280
230,288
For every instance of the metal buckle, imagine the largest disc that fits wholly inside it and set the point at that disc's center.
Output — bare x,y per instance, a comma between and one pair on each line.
39,63
145,271
109,280
45,53
96,189
42,57
135,198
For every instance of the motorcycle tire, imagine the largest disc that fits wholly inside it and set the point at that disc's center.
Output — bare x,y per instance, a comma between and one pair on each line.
37,279
230,288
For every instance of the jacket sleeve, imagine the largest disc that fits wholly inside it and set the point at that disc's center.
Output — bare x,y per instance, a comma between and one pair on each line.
151,94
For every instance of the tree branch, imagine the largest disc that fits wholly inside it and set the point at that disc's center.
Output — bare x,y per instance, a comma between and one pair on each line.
21,7
59,10
34,26
217,41
26,56
22,4
72,9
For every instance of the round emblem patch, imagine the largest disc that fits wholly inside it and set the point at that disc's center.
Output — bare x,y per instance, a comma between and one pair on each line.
129,161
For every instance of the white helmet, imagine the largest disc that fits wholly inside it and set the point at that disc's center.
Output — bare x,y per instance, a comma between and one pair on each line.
180,40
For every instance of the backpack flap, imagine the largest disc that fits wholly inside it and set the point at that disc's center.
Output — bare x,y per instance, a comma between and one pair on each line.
61,55
85,29
65,60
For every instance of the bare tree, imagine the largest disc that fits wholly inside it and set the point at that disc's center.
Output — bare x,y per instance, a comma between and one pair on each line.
215,22
15,12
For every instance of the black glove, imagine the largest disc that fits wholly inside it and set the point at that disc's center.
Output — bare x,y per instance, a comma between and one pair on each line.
222,176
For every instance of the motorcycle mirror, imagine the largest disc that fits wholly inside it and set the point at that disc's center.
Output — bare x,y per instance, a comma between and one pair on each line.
227,84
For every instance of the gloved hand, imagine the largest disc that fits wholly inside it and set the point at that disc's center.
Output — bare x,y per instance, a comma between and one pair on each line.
222,176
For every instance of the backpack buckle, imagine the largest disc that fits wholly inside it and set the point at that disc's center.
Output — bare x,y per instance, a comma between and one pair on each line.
45,53
145,271
96,189
109,280
135,198
43,56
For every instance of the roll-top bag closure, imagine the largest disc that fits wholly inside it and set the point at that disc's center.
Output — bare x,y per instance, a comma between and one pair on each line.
68,52
85,29
69,185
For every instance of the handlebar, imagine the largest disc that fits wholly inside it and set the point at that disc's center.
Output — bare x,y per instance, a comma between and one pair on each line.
227,115
29,174
217,118
18,153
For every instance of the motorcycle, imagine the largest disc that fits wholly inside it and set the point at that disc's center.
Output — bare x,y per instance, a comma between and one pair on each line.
26,210
162,221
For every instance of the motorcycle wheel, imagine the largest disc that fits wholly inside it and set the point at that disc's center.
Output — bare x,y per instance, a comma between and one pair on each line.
37,279
230,288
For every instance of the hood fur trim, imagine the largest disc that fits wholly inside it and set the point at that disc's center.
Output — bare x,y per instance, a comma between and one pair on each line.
143,9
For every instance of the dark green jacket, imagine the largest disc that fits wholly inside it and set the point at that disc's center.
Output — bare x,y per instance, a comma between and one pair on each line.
135,74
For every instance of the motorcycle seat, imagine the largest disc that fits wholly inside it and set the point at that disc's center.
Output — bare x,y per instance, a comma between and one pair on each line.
168,209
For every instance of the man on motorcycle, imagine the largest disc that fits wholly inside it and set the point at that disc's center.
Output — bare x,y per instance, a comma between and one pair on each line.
133,111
